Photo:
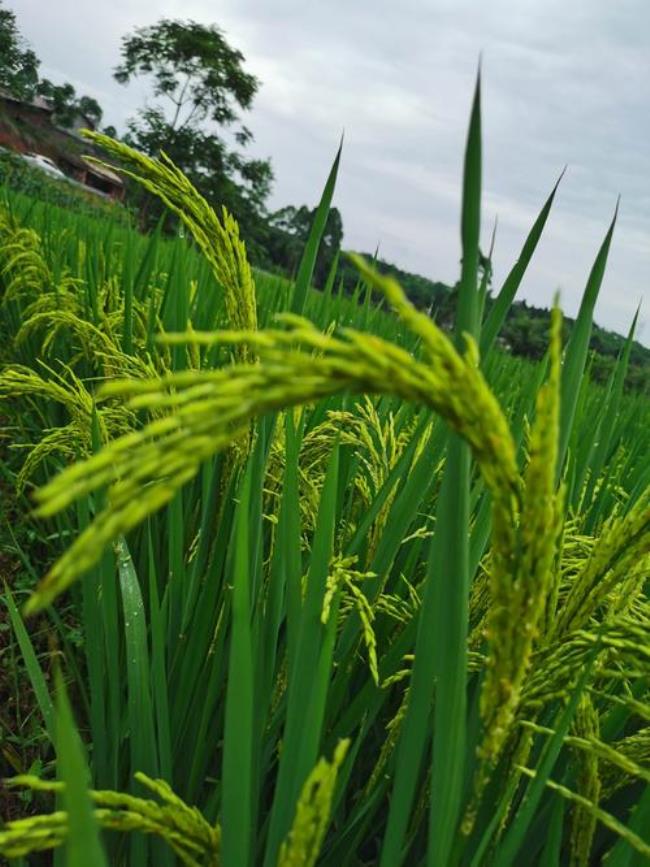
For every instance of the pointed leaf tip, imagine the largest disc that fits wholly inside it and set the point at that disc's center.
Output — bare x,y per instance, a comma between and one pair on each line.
612,225
494,236
562,174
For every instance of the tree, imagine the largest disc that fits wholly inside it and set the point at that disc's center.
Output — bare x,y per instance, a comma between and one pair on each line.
70,109
90,109
18,63
200,84
19,75
288,233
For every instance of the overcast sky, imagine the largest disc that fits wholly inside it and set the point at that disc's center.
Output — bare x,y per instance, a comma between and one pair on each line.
563,82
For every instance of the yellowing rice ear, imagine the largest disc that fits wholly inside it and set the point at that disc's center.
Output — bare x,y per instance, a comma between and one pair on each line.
218,239
520,585
209,409
305,839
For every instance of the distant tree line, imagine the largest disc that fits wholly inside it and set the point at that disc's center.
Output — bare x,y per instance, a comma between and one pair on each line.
526,329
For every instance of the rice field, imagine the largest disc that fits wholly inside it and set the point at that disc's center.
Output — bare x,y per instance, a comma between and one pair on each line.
304,579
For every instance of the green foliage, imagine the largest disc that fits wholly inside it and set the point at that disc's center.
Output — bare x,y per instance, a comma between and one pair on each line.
425,294
19,78
524,330
287,235
358,594
17,175
193,66
18,63
198,79
70,109
218,239
82,841
191,838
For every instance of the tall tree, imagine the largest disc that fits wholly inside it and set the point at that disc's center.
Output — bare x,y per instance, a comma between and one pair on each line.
288,231
18,63
70,109
200,85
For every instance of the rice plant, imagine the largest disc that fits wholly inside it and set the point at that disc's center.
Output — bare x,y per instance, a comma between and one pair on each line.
349,590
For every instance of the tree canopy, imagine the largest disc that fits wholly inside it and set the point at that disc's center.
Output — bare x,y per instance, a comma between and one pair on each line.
19,75
287,233
18,63
193,67
200,85
69,108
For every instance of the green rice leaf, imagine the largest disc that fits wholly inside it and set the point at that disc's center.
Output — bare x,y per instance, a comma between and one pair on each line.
83,845
308,261
238,730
